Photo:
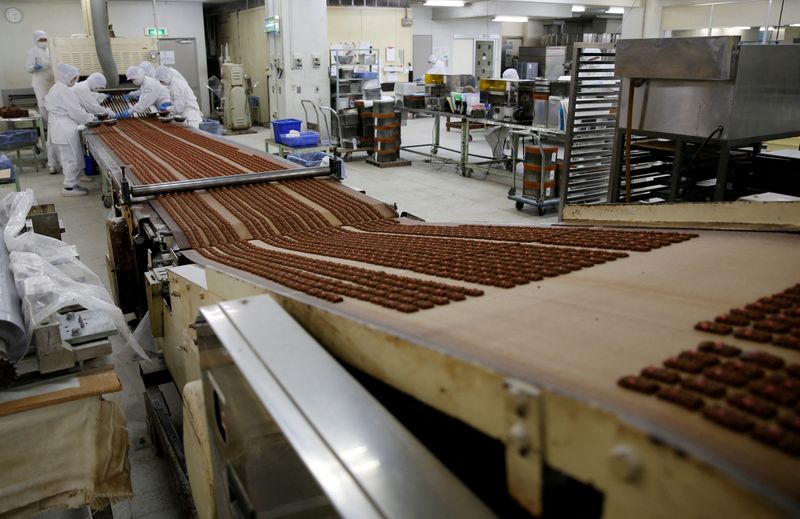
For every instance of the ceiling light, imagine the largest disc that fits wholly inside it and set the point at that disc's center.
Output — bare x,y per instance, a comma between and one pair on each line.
615,10
770,29
444,3
795,25
578,8
742,28
518,19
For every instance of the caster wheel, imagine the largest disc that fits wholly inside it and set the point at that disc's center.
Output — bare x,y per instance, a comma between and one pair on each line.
434,151
541,211
470,138
107,202
347,157
370,153
519,206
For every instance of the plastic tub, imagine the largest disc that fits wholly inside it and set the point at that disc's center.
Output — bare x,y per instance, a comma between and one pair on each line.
365,75
299,141
308,160
15,139
211,126
281,127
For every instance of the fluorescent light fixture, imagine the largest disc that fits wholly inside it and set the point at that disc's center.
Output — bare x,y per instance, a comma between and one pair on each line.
512,19
794,25
742,28
769,29
578,8
444,3
615,10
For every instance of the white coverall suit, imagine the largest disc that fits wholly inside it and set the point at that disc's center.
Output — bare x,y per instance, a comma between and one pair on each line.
438,65
89,99
65,115
184,102
163,92
149,89
37,63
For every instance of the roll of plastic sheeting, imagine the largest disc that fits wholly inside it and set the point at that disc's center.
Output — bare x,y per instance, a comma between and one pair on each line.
13,337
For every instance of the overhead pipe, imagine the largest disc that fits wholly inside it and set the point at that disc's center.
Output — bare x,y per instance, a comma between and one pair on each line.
102,42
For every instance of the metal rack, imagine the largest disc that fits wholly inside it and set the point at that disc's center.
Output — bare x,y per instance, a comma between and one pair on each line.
591,123
518,192
348,58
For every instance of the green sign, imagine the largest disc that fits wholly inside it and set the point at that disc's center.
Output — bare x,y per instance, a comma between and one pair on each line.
152,31
272,24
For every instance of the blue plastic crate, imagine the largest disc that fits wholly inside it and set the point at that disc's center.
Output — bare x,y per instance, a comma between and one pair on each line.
211,126
15,139
365,75
300,141
281,127
308,160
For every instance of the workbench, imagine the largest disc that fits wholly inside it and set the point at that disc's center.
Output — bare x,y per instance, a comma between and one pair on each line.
285,149
463,164
63,444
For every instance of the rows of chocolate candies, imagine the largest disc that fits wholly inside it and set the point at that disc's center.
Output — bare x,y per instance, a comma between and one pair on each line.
774,319
713,371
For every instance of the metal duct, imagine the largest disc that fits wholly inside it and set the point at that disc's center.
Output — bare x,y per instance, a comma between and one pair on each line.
102,42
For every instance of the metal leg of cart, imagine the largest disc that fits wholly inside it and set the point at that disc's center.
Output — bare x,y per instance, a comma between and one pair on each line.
463,164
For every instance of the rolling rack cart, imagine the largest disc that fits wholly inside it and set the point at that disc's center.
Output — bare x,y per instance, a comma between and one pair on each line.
538,185
339,145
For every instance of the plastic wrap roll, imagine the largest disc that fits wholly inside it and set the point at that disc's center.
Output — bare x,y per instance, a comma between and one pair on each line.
13,337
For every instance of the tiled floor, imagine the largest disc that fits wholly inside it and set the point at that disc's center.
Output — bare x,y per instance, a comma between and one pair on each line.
432,193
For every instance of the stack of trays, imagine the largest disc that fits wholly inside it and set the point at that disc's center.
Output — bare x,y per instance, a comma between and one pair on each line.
387,131
539,179
367,124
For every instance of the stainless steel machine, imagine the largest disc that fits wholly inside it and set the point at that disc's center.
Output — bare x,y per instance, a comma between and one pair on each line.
714,90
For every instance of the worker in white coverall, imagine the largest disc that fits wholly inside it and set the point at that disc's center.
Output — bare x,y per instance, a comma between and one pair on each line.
510,73
90,99
184,102
148,90
163,92
37,63
66,119
438,66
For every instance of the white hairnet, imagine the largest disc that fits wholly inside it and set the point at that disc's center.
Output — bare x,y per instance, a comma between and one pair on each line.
432,58
148,68
134,73
163,74
96,81
39,34
66,73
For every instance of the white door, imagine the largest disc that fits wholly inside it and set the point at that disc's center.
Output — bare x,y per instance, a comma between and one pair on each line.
463,56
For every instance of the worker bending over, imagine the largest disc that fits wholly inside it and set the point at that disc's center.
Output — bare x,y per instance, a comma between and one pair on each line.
184,102
37,63
438,65
88,96
148,92
163,92
66,119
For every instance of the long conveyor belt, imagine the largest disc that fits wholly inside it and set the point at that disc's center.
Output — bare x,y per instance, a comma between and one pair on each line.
570,308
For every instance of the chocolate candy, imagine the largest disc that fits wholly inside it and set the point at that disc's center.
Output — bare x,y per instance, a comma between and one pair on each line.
704,386
712,327
748,370
791,322
771,326
660,374
728,418
733,319
788,384
793,370
776,437
750,334
763,307
727,376
681,397
719,348
773,392
752,315
706,359
787,341
790,422
683,364
760,358
639,384
752,405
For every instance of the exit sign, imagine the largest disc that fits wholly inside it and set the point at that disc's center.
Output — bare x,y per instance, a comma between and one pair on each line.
153,31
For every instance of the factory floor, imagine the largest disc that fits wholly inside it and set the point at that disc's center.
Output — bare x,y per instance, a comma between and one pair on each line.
432,192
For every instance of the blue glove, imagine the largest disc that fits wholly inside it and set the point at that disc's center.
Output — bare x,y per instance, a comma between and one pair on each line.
123,115
37,67
128,97
164,105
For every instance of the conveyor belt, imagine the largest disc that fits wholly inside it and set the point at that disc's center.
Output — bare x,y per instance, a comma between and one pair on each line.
310,216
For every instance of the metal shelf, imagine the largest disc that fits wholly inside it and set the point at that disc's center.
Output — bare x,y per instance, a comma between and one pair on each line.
591,123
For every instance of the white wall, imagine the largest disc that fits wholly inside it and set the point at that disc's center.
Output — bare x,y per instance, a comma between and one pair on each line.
58,18
444,32
181,19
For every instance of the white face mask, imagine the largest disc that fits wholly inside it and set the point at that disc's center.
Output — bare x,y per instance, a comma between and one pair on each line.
41,44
